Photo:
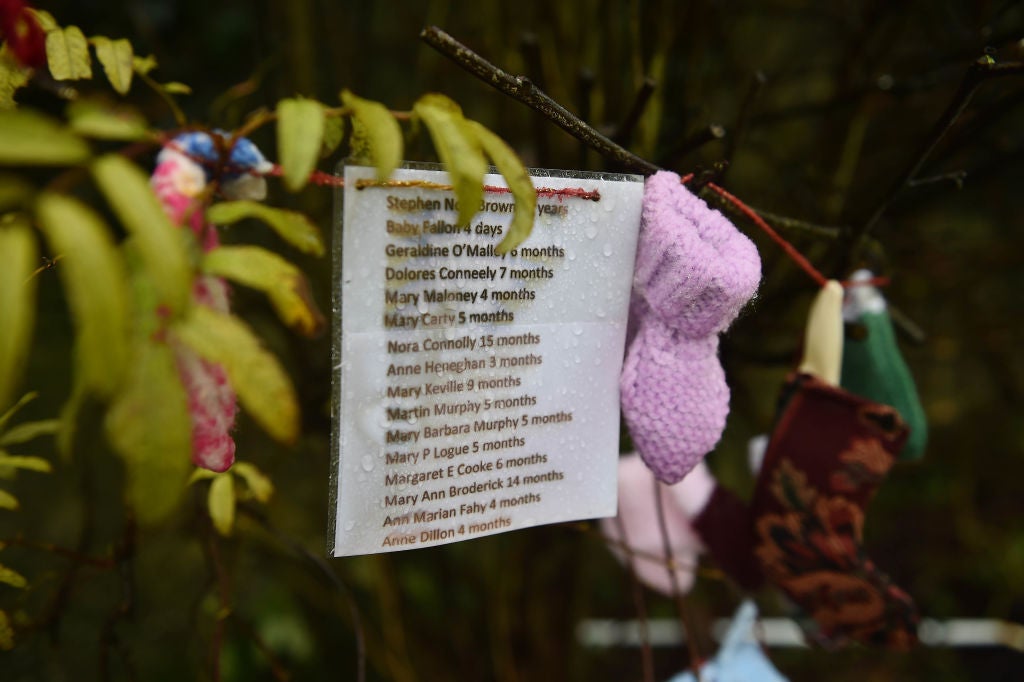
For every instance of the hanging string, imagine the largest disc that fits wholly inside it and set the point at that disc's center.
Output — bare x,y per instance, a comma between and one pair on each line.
323,179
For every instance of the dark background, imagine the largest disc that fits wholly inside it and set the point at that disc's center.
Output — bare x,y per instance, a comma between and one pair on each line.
850,91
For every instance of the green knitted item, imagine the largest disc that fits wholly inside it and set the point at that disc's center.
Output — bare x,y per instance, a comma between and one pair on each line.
873,367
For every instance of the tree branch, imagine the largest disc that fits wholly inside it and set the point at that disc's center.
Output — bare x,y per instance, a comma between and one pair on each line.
522,90
980,71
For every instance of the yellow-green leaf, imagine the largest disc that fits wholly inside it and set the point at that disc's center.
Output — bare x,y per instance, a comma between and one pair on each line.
18,258
24,400
221,503
375,133
159,243
334,131
118,60
150,427
93,275
258,483
31,139
292,226
143,65
176,88
26,462
23,433
106,121
12,77
67,53
262,385
6,632
518,179
45,19
7,500
300,129
200,474
281,281
11,577
458,148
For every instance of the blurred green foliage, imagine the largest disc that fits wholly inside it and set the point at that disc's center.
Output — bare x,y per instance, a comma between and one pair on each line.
850,91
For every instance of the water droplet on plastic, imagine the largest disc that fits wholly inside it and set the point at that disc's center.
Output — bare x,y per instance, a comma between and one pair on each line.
591,232
607,250
367,463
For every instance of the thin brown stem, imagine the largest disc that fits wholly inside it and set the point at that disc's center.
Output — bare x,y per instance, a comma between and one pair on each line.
980,71
677,593
646,653
523,90
624,133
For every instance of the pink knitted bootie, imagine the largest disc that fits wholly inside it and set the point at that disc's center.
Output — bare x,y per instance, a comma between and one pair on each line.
694,272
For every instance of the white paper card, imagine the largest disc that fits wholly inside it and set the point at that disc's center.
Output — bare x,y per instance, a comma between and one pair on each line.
478,393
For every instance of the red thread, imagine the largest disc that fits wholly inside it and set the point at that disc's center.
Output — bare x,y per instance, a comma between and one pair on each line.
788,248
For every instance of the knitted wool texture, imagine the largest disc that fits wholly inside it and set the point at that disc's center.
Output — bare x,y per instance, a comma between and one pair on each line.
694,272
179,181
637,525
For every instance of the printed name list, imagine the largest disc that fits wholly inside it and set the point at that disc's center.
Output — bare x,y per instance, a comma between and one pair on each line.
478,392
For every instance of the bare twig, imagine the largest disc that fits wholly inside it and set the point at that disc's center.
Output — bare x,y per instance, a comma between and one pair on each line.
677,593
325,570
646,654
584,89
522,90
980,71
624,133
757,82
691,143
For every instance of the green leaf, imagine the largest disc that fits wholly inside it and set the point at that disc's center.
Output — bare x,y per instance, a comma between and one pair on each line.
201,474
285,284
93,275
257,482
24,400
12,77
159,243
375,130
292,226
18,258
11,577
45,19
261,384
23,433
518,179
106,121
67,53
150,428
300,129
118,60
221,503
334,132
31,139
458,148
143,65
26,462
7,500
176,88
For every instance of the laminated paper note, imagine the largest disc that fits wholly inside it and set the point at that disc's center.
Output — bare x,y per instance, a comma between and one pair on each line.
477,393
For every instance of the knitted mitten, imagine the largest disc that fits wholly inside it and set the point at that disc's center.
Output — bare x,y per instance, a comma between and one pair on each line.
694,272
637,525
873,366
828,453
